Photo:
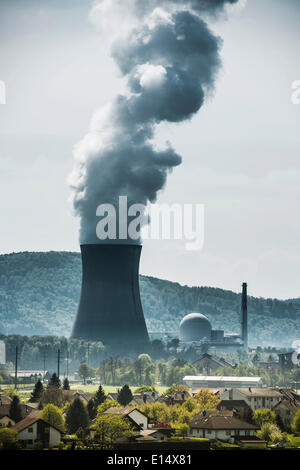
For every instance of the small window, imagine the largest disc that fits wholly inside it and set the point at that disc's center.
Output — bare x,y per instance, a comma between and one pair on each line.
228,433
208,432
30,429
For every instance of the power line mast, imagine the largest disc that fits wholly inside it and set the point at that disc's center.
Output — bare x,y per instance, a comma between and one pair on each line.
88,353
67,363
58,362
44,364
16,369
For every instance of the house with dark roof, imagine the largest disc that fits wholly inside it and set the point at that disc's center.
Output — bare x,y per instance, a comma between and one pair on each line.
140,399
33,429
208,364
256,398
5,418
5,400
221,425
287,407
240,408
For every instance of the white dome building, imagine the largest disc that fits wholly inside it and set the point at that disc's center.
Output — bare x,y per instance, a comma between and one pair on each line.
194,327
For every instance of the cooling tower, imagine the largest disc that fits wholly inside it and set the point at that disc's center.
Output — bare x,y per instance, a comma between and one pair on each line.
110,308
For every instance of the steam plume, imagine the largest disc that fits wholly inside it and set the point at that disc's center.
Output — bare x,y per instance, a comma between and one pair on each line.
170,59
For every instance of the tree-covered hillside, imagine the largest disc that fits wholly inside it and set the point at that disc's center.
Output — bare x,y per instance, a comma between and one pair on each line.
39,293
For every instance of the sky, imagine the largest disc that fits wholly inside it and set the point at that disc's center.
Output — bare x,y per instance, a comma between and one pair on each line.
240,153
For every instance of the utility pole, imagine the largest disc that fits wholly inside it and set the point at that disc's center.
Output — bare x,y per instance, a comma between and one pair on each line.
16,369
67,364
58,362
44,363
88,353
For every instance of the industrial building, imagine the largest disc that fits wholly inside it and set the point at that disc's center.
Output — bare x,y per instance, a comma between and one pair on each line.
214,381
195,329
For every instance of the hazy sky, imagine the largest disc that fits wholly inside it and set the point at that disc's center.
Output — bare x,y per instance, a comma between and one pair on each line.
240,153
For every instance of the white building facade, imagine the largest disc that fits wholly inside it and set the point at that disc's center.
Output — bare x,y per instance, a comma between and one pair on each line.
256,398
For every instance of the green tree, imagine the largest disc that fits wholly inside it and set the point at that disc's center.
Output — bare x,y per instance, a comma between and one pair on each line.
15,411
183,429
8,439
100,396
66,384
111,427
268,431
53,395
37,392
125,396
91,409
107,404
296,422
206,399
54,381
176,388
145,388
54,416
263,416
85,371
77,416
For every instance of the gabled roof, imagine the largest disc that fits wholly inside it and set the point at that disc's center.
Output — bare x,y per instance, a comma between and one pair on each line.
26,409
5,400
220,421
220,362
34,417
260,392
232,404
292,405
118,410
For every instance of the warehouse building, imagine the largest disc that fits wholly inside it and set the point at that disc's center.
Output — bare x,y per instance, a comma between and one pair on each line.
214,381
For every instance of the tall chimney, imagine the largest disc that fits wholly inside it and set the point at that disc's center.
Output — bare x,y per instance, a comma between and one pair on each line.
110,308
244,317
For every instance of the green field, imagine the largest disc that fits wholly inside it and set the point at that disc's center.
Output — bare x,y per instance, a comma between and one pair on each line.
109,388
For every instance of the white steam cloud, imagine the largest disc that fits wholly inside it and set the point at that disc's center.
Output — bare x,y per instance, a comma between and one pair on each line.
170,59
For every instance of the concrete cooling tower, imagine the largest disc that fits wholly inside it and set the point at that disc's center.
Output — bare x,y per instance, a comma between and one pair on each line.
110,308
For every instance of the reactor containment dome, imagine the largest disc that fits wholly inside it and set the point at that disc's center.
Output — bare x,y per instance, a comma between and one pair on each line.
194,327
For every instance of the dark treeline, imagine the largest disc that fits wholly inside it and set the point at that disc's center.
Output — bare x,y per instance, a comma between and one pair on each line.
39,293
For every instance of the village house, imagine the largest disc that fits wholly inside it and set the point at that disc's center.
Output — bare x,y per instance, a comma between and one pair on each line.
239,408
5,418
214,391
140,399
176,398
221,425
161,434
136,418
256,398
208,364
287,407
5,400
33,429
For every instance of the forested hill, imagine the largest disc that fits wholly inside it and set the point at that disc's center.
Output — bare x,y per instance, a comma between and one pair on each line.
39,293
